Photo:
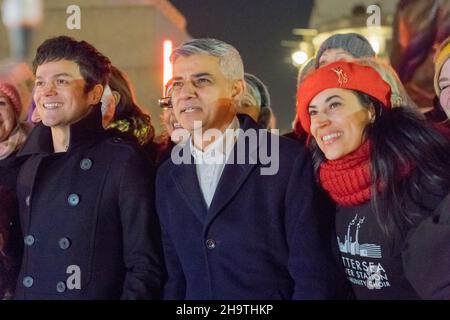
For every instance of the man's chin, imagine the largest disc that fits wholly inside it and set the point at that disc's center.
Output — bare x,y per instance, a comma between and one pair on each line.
192,125
49,123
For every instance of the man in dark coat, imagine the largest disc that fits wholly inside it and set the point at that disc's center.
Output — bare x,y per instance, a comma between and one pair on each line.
86,199
236,202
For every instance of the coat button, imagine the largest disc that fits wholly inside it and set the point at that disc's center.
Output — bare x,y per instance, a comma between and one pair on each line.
64,243
61,287
27,282
210,244
73,200
27,200
29,240
86,164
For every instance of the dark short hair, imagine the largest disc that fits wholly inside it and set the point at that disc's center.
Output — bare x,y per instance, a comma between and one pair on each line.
94,66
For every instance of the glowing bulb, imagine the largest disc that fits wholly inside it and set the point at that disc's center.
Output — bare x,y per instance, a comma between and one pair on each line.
299,57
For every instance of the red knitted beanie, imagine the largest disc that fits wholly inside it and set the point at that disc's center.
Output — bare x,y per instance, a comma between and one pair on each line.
11,93
343,75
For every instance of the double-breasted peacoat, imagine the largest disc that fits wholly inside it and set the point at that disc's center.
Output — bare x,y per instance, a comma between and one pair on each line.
87,216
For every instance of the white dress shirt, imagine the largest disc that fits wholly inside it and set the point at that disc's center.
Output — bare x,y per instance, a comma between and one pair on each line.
211,162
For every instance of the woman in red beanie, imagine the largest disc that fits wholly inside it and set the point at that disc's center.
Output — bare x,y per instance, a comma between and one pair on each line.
387,170
13,133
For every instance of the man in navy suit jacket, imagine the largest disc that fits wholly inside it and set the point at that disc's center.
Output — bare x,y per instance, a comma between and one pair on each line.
236,203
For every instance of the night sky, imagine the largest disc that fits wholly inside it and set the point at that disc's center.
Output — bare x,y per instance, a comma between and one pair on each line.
256,28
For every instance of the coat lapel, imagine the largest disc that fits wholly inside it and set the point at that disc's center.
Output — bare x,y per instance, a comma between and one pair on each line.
233,177
185,178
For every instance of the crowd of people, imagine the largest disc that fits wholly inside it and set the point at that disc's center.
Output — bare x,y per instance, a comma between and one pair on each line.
352,204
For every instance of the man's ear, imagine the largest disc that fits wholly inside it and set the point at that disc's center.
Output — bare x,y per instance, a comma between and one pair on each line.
237,89
95,95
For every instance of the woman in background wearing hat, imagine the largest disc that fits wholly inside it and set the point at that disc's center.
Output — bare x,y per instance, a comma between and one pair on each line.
255,101
442,77
343,46
385,168
429,246
12,137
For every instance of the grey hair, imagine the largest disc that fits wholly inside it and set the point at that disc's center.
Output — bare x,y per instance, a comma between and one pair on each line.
230,61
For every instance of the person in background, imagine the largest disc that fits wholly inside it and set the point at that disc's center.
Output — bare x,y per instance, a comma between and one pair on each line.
343,46
167,139
387,169
442,78
399,96
297,132
124,114
13,134
255,101
21,77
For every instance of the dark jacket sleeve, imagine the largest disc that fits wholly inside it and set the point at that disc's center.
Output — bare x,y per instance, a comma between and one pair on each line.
175,285
141,232
426,254
309,232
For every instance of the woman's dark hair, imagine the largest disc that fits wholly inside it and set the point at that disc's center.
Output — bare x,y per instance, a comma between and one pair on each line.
94,66
409,158
127,112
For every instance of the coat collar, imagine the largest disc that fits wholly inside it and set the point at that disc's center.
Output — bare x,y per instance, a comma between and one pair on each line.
84,132
233,177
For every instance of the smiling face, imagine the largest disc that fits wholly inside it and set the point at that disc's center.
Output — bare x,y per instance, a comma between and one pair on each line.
444,85
332,55
7,117
201,92
338,120
60,96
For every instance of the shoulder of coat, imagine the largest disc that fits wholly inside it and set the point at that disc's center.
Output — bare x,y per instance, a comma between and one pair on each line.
120,142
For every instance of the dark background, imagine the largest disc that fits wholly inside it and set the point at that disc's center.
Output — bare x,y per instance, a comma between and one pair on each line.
256,28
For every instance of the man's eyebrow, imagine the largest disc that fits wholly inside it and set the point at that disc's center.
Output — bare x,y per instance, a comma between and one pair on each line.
62,74
202,74
443,79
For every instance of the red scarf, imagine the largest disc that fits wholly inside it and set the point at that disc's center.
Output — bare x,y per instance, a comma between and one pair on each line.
348,180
